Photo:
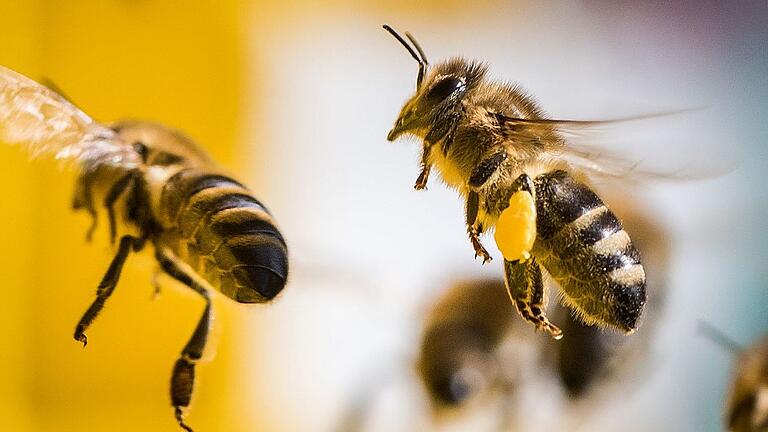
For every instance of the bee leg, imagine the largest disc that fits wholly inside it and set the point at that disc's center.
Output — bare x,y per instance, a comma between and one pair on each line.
526,290
183,378
486,168
444,130
426,167
473,203
109,202
105,289
84,200
156,283
524,183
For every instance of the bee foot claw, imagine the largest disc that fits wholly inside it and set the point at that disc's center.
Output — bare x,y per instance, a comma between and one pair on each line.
82,338
484,255
553,331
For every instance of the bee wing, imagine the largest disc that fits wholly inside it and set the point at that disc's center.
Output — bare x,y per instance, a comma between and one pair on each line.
46,124
631,149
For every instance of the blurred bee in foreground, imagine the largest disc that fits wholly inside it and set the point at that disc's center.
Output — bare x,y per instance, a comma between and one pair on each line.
155,186
491,142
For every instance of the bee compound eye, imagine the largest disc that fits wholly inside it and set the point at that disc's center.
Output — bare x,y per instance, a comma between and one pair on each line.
444,88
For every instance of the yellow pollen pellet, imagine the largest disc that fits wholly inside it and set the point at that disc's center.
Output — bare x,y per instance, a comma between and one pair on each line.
516,227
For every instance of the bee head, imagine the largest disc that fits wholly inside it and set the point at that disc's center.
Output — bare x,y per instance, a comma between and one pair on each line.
439,90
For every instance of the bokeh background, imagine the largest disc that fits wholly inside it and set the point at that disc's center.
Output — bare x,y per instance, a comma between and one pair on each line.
297,98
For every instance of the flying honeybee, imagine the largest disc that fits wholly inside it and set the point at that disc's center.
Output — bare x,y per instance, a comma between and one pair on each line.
492,143
156,186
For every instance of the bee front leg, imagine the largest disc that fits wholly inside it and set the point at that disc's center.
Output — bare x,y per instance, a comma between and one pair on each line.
105,289
156,283
486,168
443,131
526,290
84,200
114,193
183,377
474,231
426,167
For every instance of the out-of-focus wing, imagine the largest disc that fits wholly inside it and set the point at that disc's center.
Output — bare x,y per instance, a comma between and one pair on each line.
638,148
46,124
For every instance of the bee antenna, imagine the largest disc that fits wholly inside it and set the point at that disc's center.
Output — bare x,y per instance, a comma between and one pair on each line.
421,60
715,335
418,48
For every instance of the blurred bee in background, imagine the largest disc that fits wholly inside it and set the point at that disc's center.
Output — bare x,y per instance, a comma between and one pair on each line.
156,186
477,368
746,407
461,352
456,358
480,366
492,143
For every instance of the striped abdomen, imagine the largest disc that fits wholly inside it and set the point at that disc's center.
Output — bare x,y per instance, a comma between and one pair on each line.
583,246
227,236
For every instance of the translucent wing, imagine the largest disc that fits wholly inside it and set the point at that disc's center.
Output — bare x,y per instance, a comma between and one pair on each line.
666,146
46,124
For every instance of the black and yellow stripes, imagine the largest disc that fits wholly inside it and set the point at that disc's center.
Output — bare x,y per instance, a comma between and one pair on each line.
225,234
182,186
584,247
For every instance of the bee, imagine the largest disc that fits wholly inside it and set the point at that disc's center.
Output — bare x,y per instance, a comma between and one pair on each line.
461,349
747,405
457,358
492,143
156,186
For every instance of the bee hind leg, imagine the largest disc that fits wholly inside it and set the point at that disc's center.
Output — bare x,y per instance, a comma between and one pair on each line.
183,377
526,290
105,289
473,229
